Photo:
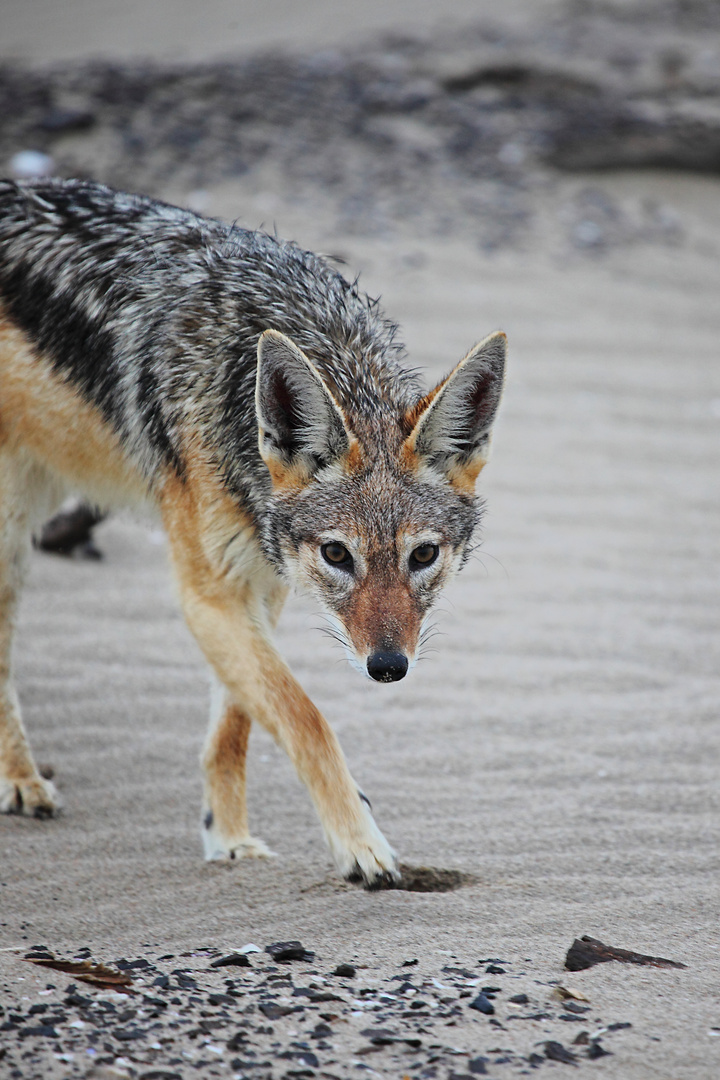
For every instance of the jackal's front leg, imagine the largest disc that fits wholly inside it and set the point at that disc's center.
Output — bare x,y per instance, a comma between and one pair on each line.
225,830
233,632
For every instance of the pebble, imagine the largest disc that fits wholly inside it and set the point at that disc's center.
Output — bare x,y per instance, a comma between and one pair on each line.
482,1004
346,971
555,1051
285,951
597,1051
231,960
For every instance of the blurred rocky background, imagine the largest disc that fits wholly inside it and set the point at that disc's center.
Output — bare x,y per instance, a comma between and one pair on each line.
514,133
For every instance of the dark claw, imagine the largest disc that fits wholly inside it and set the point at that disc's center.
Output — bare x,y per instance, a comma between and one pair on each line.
42,812
364,798
384,881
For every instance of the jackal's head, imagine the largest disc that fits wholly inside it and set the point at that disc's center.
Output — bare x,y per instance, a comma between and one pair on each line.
373,507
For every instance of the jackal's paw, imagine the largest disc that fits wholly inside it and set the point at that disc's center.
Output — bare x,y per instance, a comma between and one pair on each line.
33,798
219,848
363,854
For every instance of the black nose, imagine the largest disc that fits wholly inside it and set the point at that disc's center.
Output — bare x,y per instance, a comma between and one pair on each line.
387,666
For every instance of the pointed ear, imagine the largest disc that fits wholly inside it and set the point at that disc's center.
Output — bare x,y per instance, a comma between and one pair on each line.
452,424
300,426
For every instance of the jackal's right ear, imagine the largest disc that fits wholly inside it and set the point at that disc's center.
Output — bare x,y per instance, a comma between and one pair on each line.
452,424
300,426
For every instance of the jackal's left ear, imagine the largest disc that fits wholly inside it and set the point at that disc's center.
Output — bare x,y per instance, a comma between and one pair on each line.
452,423
301,427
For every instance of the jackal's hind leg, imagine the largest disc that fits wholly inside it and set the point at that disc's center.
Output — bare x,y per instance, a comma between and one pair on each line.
22,789
225,830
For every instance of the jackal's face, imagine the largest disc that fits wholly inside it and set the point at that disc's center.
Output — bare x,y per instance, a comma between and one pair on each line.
374,521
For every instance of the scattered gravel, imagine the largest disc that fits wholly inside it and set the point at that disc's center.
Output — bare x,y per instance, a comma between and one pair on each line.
171,1016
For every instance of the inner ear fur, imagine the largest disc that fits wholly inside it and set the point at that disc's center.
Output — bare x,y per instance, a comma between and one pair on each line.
301,428
451,425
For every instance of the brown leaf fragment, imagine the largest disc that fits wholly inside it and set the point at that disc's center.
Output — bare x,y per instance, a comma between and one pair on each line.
85,970
587,951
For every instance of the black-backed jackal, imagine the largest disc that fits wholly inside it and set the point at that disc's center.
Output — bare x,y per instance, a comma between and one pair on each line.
255,397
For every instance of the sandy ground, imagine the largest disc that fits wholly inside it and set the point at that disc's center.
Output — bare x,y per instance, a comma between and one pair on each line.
562,741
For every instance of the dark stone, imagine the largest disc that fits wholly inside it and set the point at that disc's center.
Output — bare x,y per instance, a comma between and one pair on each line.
316,995
220,999
482,1004
555,1051
597,1051
462,972
184,981
162,981
45,1031
231,960
275,1012
285,951
160,1074
574,1007
477,1066
321,1031
520,999
587,951
410,963
493,969
129,1034
238,1040
618,1027
156,1003
35,1010
347,971
535,1060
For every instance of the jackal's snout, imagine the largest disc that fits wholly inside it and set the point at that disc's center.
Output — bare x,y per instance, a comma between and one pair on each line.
387,666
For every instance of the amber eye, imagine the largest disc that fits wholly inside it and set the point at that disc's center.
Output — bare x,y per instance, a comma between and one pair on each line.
424,556
337,555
